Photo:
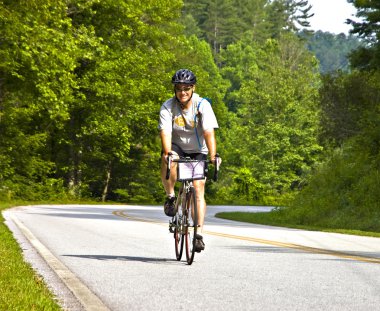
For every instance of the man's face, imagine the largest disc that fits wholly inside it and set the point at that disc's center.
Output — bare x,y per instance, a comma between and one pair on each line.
183,92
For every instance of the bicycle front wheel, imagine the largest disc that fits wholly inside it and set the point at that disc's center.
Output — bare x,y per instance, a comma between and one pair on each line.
178,228
191,223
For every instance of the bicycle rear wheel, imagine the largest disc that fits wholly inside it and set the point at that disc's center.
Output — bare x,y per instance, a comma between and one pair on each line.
178,229
191,223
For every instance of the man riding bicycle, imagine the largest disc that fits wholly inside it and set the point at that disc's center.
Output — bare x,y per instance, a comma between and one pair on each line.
186,125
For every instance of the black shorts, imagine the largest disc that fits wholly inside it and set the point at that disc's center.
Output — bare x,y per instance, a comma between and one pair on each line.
194,156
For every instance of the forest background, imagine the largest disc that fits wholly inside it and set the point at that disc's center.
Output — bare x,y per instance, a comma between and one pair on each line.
82,82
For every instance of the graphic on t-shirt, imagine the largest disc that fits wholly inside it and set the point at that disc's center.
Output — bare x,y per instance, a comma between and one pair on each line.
180,121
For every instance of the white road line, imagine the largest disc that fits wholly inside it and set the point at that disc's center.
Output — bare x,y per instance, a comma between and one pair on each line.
87,298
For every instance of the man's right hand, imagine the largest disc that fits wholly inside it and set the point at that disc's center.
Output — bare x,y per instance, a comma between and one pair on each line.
171,154
166,156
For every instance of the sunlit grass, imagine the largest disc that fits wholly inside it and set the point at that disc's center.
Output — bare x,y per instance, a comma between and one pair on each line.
20,287
280,219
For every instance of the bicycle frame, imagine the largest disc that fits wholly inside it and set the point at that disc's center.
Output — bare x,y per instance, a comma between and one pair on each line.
184,224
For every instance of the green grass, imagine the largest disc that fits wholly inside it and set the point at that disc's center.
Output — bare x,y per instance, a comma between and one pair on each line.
20,287
279,218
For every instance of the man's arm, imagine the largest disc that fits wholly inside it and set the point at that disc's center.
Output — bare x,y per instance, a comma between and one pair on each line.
166,141
209,136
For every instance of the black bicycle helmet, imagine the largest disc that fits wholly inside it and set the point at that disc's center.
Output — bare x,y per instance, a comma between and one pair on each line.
184,76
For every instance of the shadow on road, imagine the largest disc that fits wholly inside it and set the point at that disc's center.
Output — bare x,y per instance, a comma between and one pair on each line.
124,258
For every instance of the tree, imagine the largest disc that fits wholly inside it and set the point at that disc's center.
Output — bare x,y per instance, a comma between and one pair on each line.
120,83
369,17
332,50
38,54
223,22
277,117
343,191
344,102
81,86
368,28
217,19
288,15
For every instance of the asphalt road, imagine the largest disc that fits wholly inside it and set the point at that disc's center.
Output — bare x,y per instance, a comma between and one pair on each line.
122,257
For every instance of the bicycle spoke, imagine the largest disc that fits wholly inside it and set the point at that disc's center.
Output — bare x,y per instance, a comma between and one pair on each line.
192,225
178,231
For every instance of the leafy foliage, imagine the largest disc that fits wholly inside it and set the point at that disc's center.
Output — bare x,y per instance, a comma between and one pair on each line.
368,12
82,83
277,116
343,191
332,50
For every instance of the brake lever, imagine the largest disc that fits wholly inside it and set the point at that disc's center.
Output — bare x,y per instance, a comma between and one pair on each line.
169,165
217,165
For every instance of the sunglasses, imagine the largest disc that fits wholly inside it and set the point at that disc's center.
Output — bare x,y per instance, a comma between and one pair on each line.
183,89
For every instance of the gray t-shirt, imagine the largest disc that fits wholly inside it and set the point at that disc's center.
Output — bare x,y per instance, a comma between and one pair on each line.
187,126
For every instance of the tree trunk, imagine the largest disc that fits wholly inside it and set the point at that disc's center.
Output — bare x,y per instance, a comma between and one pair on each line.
108,178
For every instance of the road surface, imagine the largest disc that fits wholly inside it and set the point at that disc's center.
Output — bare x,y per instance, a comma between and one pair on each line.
119,257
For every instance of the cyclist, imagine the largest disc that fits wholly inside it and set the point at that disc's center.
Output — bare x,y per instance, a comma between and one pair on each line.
186,125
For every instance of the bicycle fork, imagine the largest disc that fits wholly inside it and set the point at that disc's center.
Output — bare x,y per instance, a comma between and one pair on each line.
177,220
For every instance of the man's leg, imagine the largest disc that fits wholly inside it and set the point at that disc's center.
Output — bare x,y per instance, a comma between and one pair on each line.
199,186
168,183
169,205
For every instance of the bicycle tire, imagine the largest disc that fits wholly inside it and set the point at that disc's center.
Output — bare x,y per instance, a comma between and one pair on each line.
191,223
178,229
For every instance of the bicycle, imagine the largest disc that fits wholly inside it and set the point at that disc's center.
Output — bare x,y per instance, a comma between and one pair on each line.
184,224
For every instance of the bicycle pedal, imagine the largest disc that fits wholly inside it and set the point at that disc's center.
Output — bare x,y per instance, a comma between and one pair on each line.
171,225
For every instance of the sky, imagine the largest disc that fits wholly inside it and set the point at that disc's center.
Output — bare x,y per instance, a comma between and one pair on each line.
330,15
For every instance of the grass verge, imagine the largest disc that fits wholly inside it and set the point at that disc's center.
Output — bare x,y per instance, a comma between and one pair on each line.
276,218
20,287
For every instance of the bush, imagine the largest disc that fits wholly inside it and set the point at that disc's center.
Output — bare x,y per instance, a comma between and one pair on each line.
344,192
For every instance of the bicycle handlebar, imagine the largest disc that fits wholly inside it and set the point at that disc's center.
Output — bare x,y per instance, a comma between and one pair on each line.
216,164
